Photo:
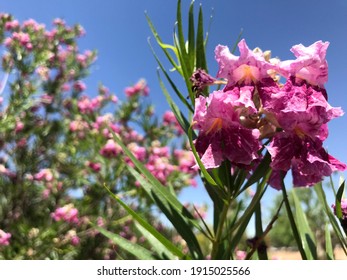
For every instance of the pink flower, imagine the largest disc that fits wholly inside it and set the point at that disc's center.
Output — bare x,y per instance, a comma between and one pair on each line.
246,69
87,105
19,127
4,238
139,152
79,86
310,63
44,175
67,213
240,255
75,240
111,149
221,136
59,22
300,107
21,37
72,237
169,118
186,161
305,156
95,166
10,25
200,80
139,87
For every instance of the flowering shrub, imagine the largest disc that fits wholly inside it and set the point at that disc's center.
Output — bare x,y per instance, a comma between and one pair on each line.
79,180
57,149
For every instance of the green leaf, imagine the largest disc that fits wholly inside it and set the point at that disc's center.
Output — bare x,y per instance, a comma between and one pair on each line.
181,42
293,223
236,43
166,201
172,84
322,198
259,172
339,194
156,246
161,44
262,254
191,35
243,221
174,108
173,210
306,234
171,247
138,251
200,43
328,244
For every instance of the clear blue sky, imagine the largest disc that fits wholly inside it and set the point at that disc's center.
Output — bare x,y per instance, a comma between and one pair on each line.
118,30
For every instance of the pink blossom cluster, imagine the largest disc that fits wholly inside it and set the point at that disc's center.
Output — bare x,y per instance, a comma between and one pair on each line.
253,105
4,238
110,149
67,213
72,237
158,162
45,174
140,87
169,119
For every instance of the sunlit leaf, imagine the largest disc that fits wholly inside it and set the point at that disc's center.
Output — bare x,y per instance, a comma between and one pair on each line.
136,250
307,238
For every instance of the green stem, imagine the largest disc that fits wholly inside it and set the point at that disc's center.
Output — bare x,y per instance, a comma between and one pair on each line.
292,222
218,237
261,248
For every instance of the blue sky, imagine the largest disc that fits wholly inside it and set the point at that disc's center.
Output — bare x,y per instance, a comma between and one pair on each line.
119,31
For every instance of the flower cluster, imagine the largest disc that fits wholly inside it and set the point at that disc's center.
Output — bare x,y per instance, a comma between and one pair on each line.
67,213
4,238
253,105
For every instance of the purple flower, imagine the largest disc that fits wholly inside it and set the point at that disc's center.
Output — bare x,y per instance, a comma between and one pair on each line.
221,135
304,155
310,63
300,107
248,68
4,238
200,80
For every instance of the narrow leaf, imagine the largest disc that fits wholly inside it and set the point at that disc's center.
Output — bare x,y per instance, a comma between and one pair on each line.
138,251
328,244
200,45
156,246
242,223
171,247
174,108
181,41
338,200
322,198
259,172
191,35
177,215
293,223
168,203
306,234
172,84
160,42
